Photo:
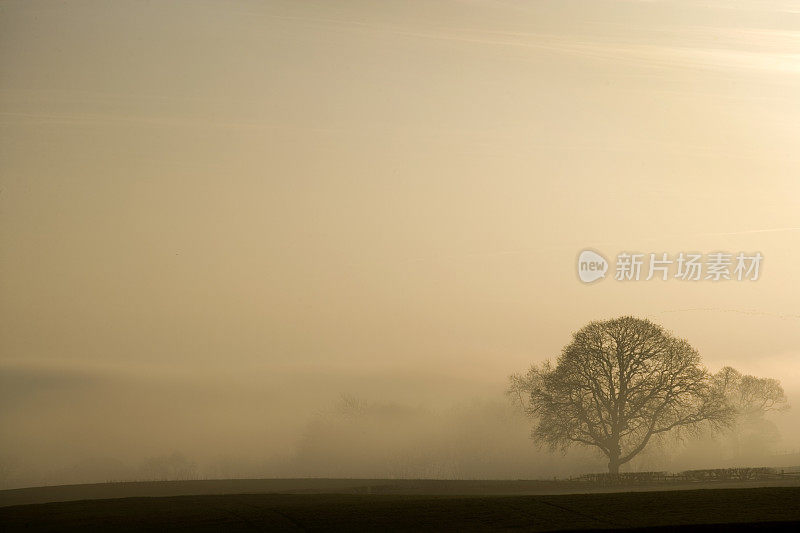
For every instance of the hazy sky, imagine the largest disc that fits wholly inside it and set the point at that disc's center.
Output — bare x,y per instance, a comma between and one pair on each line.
271,203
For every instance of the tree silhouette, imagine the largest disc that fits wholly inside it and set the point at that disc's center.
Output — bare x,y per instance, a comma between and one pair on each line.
616,386
752,398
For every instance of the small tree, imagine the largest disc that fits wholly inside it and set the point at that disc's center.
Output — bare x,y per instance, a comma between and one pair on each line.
752,398
616,386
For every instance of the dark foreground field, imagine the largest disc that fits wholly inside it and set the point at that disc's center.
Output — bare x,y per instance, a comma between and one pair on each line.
708,509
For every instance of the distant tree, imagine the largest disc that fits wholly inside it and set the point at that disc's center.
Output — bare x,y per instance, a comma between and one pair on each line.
169,468
522,385
751,398
350,406
616,386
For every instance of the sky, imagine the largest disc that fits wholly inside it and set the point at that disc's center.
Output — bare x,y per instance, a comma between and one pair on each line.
217,217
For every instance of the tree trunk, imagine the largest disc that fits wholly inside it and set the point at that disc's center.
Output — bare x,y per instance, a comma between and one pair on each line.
613,459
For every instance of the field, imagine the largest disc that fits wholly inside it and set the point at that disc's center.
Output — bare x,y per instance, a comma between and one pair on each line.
371,505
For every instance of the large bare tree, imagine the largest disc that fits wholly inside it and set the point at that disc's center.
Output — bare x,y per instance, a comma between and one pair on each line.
616,386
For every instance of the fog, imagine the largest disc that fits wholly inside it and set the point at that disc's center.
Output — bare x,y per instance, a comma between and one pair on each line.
67,425
251,239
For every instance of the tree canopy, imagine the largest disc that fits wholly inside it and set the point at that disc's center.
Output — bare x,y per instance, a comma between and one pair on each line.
750,396
616,386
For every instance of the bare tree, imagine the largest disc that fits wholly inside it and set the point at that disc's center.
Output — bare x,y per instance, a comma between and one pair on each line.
616,386
521,385
752,397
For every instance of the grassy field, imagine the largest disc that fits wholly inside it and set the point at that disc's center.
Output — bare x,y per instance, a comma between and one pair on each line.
744,508
421,487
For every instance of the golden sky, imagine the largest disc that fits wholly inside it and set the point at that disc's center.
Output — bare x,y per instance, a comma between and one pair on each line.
386,198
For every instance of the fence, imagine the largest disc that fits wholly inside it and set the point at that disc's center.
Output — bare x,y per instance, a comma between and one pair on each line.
715,474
